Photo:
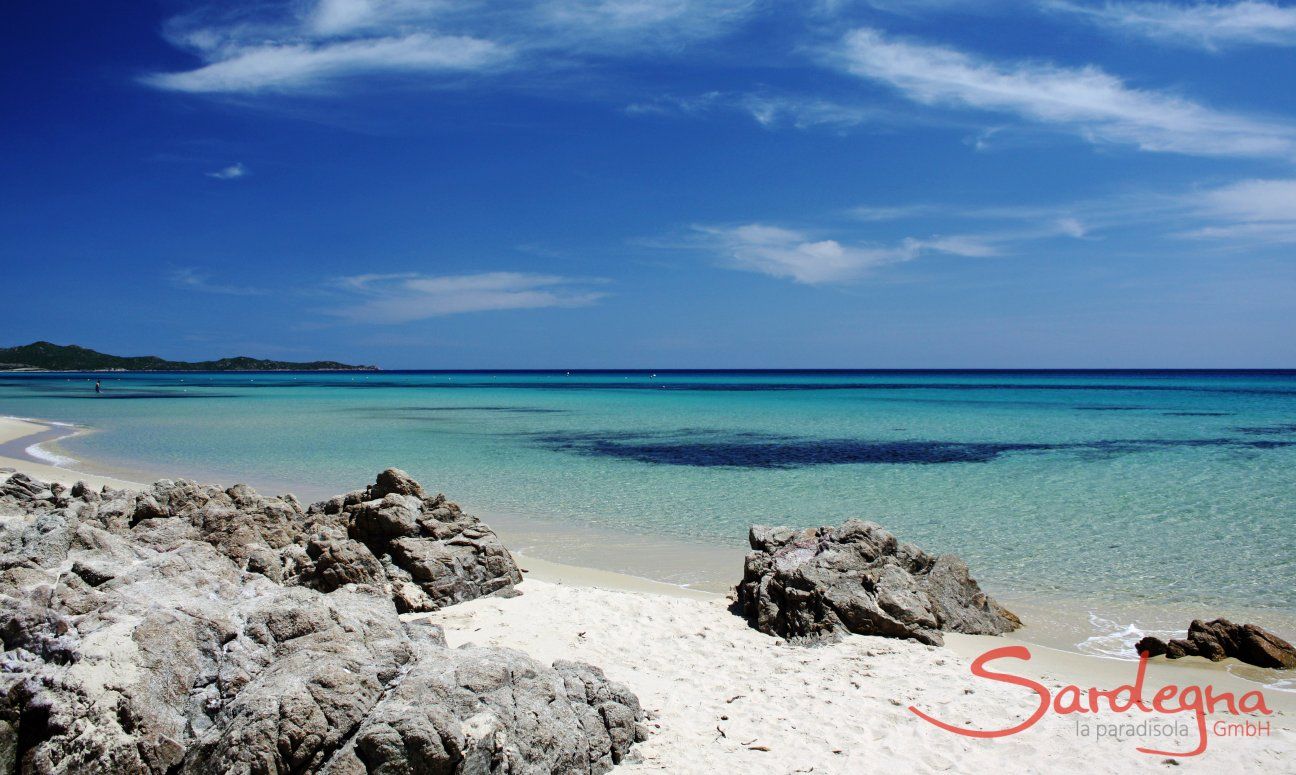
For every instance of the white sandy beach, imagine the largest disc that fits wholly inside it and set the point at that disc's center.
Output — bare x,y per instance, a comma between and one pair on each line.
14,432
724,698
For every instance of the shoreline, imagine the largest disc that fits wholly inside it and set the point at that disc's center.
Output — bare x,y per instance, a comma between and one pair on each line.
1047,631
1101,628
19,434
722,697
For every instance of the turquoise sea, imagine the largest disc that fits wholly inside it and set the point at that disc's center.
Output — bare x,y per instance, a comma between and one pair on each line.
1115,489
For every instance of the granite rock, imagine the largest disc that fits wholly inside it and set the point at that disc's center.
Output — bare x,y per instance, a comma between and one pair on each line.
823,582
1221,639
192,629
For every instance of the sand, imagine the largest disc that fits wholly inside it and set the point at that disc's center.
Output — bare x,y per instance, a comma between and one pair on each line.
724,698
17,435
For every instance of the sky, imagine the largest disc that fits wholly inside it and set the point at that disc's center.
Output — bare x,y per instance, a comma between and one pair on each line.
654,183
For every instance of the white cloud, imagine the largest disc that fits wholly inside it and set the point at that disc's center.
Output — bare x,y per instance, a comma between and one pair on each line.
406,297
1087,100
785,253
768,110
1071,227
191,279
618,26
605,25
892,212
794,255
1244,215
294,66
1247,212
232,172
345,17
290,46
1254,201
805,112
1208,25
969,245
1020,223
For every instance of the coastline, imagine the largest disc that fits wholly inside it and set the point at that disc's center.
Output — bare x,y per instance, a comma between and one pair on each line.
693,663
593,556
19,434
1098,627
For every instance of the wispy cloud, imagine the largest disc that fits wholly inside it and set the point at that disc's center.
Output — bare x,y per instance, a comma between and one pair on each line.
232,172
1247,212
406,297
191,279
1207,25
795,255
1244,215
622,27
1034,221
315,46
1255,200
1086,101
768,110
291,66
605,23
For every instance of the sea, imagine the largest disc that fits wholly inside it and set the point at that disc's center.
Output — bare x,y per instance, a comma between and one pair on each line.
1132,500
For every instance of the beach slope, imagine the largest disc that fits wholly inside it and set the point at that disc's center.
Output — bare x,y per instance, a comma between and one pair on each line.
722,697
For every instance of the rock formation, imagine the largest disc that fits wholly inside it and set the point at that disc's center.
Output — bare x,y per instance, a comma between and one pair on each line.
427,550
1221,639
822,582
191,629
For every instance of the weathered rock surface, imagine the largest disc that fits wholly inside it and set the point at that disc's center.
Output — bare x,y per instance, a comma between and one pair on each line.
1221,639
823,582
193,629
430,552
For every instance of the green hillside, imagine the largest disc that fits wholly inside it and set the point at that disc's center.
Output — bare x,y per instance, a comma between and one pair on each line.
55,357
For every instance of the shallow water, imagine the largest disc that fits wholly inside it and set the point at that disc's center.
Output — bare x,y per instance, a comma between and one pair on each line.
1116,489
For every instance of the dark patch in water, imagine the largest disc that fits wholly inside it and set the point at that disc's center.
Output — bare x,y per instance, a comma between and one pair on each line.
787,454
1267,444
502,409
747,387
1197,414
711,449
1268,430
505,409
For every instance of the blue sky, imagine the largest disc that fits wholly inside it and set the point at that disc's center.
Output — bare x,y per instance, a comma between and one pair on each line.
668,183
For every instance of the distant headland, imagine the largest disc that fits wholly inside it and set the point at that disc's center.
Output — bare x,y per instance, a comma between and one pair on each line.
47,356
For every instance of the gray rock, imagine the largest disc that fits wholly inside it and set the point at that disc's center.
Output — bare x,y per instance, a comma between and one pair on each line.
438,555
342,561
488,703
433,554
193,629
822,582
23,487
1221,639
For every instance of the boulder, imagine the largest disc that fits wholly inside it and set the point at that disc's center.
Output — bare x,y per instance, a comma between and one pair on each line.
422,541
192,629
394,481
424,550
1221,639
491,705
23,487
822,582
